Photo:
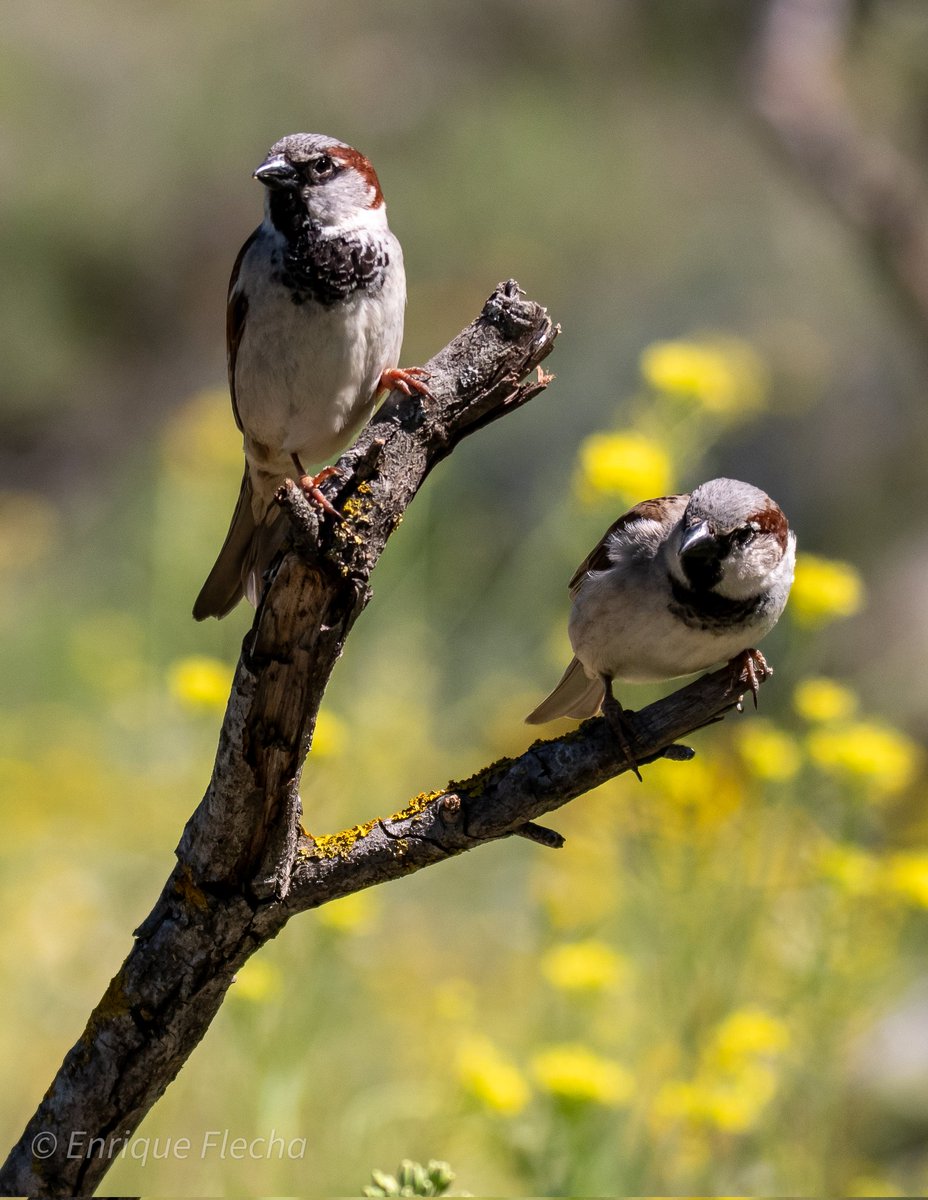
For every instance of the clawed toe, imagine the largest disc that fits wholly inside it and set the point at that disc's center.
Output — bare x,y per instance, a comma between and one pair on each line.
618,722
309,486
751,668
406,380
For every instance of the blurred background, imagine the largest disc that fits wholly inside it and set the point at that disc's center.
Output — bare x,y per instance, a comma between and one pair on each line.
718,986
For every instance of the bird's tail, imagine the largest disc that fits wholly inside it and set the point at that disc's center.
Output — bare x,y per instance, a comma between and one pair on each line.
245,556
575,696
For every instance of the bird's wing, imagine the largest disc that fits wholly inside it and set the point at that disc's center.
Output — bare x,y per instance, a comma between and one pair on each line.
598,558
236,308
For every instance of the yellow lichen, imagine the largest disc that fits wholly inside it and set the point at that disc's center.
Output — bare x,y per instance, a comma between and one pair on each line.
357,510
337,845
359,507
417,805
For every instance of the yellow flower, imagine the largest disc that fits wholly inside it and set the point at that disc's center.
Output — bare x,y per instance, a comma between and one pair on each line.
330,735
701,796
768,752
723,375
350,914
906,874
733,1102
627,465
491,1078
257,980
824,590
575,1073
746,1033
199,682
583,966
864,750
819,699
855,871
736,1079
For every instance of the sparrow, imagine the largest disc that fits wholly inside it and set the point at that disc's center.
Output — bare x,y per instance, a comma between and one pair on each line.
674,586
314,325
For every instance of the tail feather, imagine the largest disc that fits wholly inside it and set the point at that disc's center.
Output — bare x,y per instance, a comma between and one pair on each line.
245,556
576,696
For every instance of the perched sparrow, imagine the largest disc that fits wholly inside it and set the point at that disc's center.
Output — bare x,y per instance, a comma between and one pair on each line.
674,586
314,325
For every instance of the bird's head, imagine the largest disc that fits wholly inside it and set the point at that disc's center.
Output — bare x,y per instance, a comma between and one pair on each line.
731,538
311,175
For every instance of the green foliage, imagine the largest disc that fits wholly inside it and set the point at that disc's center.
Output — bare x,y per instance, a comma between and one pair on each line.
412,1179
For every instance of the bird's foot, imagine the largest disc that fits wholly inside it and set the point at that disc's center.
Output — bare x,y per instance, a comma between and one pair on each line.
406,380
309,485
752,668
617,719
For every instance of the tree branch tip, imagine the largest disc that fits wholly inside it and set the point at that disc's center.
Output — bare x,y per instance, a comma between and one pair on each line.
508,312
541,835
678,753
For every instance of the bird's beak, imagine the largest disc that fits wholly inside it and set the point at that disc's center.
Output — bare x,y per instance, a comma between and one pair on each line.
697,541
277,172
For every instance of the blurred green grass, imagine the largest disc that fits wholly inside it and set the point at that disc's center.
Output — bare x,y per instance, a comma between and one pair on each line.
688,996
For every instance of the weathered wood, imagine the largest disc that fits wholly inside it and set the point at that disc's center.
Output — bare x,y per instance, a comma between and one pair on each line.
244,865
237,851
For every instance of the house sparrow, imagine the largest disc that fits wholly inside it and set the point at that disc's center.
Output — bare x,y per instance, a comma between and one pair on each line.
314,325
674,586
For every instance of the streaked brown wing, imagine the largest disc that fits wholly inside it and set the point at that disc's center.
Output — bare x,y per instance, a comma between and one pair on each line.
598,559
236,308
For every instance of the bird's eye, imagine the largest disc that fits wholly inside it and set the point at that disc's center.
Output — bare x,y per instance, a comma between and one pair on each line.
742,536
323,167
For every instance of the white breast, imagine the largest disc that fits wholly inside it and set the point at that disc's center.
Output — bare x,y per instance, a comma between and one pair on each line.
306,375
627,631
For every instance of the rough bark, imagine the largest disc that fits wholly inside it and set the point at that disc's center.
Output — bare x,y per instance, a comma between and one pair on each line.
244,865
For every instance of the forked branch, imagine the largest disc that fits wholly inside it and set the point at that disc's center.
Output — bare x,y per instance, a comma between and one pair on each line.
244,865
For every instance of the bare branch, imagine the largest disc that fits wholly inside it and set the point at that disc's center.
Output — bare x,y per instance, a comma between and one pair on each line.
497,801
235,859
244,865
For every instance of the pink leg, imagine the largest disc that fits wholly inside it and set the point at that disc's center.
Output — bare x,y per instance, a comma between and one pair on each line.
310,486
406,380
618,723
752,668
